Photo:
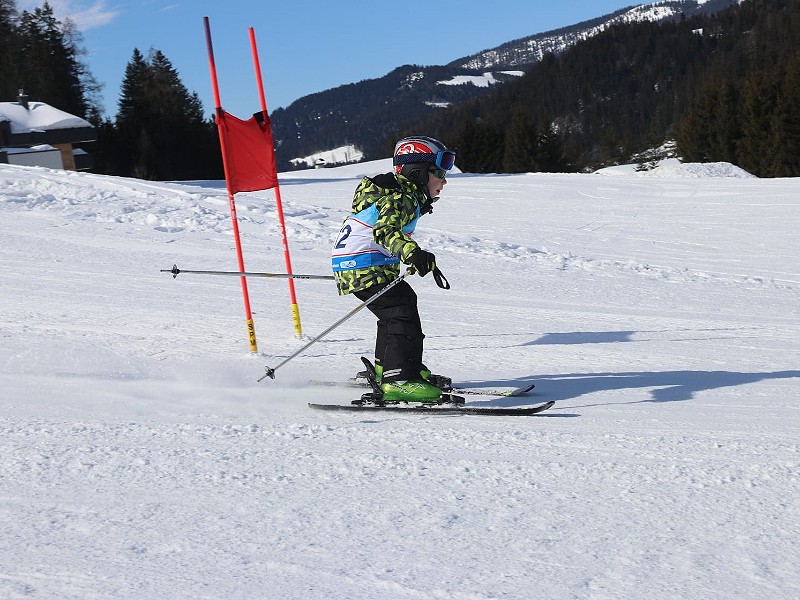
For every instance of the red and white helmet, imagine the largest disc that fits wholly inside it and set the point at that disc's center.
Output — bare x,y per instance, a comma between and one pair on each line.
422,150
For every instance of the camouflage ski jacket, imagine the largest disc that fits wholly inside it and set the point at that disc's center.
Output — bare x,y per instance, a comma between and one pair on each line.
376,236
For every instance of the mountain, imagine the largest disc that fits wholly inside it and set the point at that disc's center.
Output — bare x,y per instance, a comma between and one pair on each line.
528,51
369,113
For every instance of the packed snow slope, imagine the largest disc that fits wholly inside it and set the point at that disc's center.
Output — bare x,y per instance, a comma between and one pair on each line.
140,459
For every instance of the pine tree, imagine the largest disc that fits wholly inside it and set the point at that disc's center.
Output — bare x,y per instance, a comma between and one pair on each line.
133,91
696,131
132,116
686,138
161,132
183,133
549,156
48,61
520,143
480,146
9,43
760,100
785,139
726,123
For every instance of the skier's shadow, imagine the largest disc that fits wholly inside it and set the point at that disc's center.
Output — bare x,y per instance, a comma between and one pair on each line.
656,386
662,386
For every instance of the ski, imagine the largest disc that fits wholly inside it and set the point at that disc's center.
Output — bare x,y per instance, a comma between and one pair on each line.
435,409
448,403
507,393
463,391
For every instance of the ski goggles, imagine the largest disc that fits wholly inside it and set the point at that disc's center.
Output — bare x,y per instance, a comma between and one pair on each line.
444,159
440,173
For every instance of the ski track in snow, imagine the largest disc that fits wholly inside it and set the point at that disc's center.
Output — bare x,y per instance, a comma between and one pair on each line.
140,459
199,212
566,261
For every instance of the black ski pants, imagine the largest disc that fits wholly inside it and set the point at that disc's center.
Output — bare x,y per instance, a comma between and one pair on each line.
398,343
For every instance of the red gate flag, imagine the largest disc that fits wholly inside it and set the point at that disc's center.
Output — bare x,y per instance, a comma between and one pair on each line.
251,152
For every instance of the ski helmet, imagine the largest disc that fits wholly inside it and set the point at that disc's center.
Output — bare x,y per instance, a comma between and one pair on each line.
418,153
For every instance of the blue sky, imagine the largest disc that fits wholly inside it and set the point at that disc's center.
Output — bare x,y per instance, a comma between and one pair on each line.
304,47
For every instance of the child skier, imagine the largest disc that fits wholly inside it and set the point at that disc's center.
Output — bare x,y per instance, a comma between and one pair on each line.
374,239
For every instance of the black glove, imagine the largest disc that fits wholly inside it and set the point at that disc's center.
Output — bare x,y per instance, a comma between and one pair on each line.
423,261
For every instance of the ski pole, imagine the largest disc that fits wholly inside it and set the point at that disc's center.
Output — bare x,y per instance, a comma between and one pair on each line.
271,371
176,271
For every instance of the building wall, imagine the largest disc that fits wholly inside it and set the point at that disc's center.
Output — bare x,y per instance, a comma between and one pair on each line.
41,158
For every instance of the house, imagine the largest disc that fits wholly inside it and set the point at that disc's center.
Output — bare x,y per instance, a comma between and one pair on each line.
37,134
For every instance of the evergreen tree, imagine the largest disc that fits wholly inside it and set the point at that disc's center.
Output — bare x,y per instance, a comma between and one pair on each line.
48,62
180,114
549,154
759,105
480,146
520,143
161,131
689,139
102,157
134,87
726,127
9,42
785,140
132,116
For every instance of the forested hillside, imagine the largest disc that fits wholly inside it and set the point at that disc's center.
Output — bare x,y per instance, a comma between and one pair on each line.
369,114
724,86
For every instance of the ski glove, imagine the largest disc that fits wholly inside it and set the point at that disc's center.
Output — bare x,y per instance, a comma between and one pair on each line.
423,261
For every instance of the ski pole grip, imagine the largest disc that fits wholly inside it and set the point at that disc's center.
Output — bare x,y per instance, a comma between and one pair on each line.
440,279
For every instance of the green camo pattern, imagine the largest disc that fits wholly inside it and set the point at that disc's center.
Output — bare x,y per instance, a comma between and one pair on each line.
397,200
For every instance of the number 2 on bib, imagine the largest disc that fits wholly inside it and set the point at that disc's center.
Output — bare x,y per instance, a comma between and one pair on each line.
343,235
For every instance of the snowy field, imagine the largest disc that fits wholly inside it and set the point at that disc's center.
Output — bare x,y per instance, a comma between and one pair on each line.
140,459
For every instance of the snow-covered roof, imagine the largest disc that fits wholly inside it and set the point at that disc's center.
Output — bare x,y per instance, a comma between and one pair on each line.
38,117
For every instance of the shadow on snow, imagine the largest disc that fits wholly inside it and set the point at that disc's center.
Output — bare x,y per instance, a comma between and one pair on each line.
663,386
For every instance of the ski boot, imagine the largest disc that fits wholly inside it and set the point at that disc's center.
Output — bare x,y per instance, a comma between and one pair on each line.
440,381
416,391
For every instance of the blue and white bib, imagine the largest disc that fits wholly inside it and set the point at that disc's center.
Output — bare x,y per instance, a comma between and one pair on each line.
355,246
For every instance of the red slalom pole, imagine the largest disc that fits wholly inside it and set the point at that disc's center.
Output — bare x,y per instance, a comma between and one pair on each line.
298,330
251,330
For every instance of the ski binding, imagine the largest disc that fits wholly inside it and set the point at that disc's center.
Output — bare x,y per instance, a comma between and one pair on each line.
448,403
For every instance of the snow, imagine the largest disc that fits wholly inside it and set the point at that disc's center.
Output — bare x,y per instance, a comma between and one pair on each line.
672,167
438,104
342,154
38,117
139,458
484,80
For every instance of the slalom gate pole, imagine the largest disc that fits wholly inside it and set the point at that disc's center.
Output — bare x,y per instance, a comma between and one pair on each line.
298,329
176,271
271,371
251,330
